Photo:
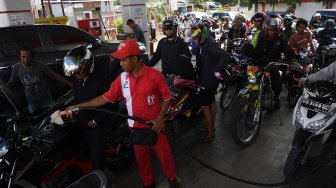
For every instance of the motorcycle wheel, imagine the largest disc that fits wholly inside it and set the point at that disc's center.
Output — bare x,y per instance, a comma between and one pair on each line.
246,128
227,96
291,163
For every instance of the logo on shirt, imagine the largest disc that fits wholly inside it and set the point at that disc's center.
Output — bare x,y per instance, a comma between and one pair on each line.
150,100
126,85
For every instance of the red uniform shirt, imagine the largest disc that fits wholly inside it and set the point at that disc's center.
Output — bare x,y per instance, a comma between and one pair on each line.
142,94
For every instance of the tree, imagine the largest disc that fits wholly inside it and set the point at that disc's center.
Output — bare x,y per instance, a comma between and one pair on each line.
197,2
155,9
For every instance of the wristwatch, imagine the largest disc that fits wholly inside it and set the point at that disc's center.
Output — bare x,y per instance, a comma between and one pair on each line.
94,123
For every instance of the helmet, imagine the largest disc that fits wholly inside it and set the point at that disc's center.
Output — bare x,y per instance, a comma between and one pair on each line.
168,24
207,23
317,15
225,18
198,31
259,16
77,60
288,20
240,16
329,24
271,23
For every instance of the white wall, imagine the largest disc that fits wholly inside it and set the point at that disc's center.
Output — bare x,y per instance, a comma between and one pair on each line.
306,10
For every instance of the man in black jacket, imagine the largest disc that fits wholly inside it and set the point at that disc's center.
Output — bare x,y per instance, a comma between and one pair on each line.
169,50
270,46
88,83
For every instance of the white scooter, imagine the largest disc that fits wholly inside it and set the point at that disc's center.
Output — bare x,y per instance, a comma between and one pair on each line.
314,119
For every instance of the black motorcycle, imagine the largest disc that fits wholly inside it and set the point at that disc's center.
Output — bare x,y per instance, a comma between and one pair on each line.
46,154
233,78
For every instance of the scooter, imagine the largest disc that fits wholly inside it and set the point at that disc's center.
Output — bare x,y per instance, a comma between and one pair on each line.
314,118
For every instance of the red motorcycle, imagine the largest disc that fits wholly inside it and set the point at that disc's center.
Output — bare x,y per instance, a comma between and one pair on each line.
301,66
183,112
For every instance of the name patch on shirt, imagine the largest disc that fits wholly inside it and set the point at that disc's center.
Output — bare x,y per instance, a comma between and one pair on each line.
150,100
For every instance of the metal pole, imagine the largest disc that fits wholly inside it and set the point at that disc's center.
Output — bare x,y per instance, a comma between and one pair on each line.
273,4
51,12
43,10
62,8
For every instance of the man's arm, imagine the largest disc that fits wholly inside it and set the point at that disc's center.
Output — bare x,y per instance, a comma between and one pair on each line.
327,73
185,49
158,122
96,102
156,56
13,78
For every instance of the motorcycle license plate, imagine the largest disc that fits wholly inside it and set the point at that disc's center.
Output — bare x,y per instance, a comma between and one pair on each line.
315,106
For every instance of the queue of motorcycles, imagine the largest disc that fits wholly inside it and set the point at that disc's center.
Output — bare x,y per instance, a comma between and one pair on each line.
46,154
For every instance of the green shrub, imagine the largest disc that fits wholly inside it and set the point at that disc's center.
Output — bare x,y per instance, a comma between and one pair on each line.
120,25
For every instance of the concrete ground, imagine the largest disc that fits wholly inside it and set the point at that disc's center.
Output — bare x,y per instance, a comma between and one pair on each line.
263,161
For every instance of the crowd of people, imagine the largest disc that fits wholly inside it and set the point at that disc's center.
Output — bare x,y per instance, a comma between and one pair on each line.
144,88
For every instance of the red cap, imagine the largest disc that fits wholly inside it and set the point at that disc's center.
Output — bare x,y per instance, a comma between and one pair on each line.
127,48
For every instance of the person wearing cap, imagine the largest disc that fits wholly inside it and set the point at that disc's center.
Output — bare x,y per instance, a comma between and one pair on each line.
138,34
169,51
147,97
316,23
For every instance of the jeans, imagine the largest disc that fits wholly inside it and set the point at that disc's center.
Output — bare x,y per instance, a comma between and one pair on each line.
38,106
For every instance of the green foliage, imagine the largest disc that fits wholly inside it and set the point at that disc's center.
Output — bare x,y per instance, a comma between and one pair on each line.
120,26
325,2
197,2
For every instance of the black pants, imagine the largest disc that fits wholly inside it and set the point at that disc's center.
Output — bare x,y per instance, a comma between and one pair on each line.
96,140
153,34
276,82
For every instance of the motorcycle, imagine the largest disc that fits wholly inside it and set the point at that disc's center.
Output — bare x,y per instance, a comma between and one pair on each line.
256,97
329,53
234,75
96,179
301,66
314,120
46,154
183,110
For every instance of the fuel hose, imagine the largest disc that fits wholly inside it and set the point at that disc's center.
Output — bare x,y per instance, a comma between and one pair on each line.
184,151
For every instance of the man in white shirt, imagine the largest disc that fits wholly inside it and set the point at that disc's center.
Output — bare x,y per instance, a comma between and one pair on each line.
153,29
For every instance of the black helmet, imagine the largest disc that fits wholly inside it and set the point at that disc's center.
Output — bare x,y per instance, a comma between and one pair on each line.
168,24
77,60
271,23
207,23
225,18
329,24
288,20
259,16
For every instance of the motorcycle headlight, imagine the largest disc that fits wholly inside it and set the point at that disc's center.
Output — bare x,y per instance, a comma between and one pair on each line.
299,119
3,147
316,125
252,79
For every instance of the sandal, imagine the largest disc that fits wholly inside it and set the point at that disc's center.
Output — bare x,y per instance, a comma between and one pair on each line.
209,139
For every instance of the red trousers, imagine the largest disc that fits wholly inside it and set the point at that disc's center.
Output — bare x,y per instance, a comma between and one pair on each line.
164,154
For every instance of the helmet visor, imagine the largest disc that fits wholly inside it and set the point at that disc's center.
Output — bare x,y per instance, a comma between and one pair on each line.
71,65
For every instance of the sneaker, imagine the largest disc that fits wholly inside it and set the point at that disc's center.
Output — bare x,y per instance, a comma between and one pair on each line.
277,103
150,186
174,184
